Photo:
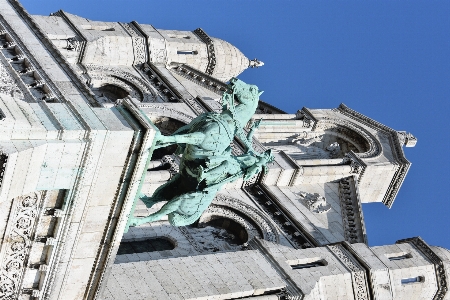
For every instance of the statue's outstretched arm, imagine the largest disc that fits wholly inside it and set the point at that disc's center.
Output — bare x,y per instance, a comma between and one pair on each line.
194,138
166,209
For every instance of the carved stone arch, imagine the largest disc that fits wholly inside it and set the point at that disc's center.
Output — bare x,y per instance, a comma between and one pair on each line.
367,144
135,85
98,83
252,220
160,110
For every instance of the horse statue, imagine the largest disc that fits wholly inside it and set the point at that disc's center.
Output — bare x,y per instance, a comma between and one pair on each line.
207,163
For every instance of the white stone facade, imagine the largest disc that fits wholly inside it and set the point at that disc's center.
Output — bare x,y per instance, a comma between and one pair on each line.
79,104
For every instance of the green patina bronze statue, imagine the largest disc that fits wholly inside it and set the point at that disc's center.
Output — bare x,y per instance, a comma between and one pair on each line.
207,163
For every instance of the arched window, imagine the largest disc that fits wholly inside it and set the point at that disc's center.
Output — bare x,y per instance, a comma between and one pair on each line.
149,245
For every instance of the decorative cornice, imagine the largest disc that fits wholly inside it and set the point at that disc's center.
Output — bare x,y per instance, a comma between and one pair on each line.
201,78
25,66
75,79
354,229
298,237
166,90
210,47
441,277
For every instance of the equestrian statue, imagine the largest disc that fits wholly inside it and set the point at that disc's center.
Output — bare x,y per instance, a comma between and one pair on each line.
207,162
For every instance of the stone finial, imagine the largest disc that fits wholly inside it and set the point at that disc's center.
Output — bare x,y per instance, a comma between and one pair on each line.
255,63
406,139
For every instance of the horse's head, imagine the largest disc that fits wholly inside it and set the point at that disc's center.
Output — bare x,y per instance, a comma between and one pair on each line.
247,96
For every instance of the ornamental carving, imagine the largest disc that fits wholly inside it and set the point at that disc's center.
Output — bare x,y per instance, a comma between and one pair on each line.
356,164
164,111
295,235
267,229
15,251
356,134
165,91
106,74
359,279
350,211
315,202
441,277
201,79
211,50
139,44
28,75
8,85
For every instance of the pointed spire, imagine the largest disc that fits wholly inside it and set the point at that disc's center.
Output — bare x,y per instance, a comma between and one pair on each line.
255,63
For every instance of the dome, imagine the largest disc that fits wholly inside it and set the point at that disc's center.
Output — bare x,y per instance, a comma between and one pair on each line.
230,62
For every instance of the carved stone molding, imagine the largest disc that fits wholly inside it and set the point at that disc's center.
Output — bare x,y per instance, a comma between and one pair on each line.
8,85
165,111
165,90
111,74
441,278
211,51
139,43
351,212
309,121
221,202
200,78
266,108
19,236
27,73
347,130
295,235
359,279
358,166
194,104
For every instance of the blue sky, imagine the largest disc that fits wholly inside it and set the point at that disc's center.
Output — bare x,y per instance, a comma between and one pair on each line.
389,60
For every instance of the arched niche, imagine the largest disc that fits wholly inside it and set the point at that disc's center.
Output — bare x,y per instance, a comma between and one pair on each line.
239,219
136,87
330,141
167,126
110,93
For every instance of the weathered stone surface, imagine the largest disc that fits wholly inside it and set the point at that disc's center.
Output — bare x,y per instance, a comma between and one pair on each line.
81,103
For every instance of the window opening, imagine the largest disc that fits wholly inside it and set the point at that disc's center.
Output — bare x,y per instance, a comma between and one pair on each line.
187,52
413,279
400,257
314,264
